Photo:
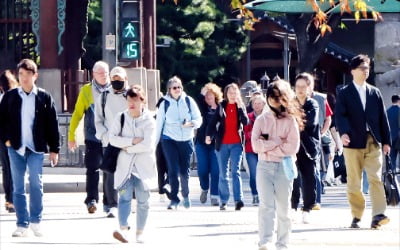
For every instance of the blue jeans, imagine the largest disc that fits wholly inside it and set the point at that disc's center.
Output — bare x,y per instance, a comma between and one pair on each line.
19,164
365,184
178,154
207,167
274,191
125,198
393,155
230,153
252,160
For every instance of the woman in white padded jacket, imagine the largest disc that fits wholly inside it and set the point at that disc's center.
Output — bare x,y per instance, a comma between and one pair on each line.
136,170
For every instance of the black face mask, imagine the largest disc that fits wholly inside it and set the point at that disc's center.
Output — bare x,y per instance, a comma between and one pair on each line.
117,85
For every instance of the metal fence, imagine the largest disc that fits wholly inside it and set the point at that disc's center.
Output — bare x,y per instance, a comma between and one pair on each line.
67,158
17,39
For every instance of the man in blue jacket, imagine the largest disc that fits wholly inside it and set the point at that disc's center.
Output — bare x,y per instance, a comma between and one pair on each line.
393,114
364,130
29,128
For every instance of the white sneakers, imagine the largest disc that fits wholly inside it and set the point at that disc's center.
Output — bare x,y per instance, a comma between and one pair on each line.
20,232
139,237
306,217
36,229
23,231
112,213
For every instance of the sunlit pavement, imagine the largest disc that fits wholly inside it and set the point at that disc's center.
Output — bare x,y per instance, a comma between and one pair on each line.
67,225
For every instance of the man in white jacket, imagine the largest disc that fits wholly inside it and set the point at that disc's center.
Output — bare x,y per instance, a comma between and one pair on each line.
107,106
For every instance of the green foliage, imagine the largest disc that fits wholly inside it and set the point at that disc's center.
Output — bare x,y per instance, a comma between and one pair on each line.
204,45
92,41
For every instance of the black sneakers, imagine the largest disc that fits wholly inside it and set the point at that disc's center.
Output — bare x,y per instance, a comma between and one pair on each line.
354,223
239,205
379,220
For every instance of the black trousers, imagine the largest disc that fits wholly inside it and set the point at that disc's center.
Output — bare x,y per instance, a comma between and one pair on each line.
162,170
7,180
306,182
93,156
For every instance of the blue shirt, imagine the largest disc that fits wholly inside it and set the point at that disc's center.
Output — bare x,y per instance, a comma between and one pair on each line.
27,119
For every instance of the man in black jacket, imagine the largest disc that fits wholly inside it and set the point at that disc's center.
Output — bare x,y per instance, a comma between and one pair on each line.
363,125
28,127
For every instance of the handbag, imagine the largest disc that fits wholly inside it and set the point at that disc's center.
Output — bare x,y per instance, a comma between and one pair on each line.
339,166
391,185
289,168
110,156
326,138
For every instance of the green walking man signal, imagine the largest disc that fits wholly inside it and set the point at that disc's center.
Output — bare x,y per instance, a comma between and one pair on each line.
129,30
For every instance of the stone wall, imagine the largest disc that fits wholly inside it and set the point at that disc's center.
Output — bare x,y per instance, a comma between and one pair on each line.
387,56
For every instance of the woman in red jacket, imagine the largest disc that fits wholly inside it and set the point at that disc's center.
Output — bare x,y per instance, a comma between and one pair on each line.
258,103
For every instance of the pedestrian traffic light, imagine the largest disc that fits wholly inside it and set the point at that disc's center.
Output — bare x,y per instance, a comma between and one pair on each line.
129,30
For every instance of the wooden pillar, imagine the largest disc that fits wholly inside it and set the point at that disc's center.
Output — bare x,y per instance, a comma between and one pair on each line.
149,34
48,34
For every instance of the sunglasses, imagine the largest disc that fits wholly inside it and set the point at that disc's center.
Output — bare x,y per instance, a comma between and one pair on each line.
176,87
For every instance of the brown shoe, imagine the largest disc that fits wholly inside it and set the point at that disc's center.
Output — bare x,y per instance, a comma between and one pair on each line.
91,207
119,236
10,207
379,220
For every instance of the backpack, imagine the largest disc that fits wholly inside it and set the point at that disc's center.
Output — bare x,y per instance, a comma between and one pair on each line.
166,104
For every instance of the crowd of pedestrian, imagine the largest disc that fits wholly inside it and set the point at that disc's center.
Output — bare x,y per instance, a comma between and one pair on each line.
288,137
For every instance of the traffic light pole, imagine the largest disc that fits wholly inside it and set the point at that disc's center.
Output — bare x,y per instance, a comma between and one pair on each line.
109,28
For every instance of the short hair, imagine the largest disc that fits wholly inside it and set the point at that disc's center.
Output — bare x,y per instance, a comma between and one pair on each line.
27,64
102,65
173,80
306,77
358,60
136,91
216,90
395,98
7,80
258,97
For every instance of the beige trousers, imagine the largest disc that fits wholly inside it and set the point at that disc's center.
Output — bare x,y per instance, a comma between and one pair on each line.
370,159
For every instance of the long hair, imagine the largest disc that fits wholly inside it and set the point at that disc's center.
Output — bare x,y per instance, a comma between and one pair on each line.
236,87
7,81
281,92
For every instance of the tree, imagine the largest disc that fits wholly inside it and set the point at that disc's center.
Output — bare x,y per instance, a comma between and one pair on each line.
313,29
204,44
310,43
92,41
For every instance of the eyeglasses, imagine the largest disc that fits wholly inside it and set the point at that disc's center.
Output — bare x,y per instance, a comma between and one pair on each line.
101,73
176,87
363,68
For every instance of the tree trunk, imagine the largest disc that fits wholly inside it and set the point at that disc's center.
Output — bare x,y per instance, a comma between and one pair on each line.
310,44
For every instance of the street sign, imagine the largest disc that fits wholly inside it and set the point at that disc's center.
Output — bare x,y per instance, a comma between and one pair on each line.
110,42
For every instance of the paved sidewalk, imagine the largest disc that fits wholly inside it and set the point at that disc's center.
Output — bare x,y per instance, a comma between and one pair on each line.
67,225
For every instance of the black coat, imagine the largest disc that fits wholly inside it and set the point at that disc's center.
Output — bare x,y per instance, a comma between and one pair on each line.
45,126
310,136
216,127
351,118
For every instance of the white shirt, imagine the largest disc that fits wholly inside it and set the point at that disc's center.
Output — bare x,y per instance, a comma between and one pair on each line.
27,119
362,92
